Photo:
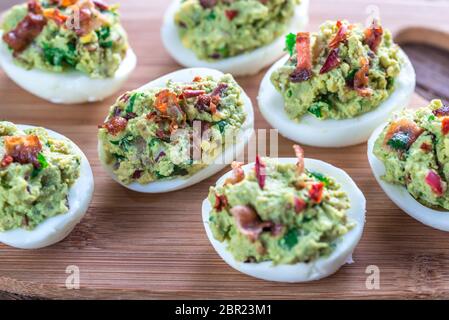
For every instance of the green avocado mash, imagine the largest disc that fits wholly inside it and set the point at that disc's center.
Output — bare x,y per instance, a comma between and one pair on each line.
163,133
218,29
344,71
296,216
414,148
83,36
36,172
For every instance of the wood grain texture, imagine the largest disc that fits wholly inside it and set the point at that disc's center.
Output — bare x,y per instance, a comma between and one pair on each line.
154,246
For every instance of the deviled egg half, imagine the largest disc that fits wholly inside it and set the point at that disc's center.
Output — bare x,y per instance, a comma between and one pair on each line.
46,185
337,85
176,131
240,37
409,157
286,220
66,51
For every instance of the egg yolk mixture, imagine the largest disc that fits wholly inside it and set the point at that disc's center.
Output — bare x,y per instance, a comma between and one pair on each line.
414,148
279,212
36,172
64,35
218,29
163,133
340,72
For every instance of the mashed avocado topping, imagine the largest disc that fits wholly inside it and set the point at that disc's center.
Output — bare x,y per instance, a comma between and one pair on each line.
340,72
218,29
279,212
163,133
36,173
64,35
414,148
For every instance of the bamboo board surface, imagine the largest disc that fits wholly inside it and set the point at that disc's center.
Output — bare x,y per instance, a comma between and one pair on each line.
131,245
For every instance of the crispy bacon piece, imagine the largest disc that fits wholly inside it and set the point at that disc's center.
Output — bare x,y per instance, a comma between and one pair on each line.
219,90
67,3
426,147
300,155
115,125
332,61
164,99
34,7
221,202
303,71
187,94
441,112
231,14
340,37
23,149
100,4
261,174
25,32
55,15
89,18
361,79
373,36
197,79
405,127
316,192
6,161
249,222
300,205
434,181
238,173
207,4
445,126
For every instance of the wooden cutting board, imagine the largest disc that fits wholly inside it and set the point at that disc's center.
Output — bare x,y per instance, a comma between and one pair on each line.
133,245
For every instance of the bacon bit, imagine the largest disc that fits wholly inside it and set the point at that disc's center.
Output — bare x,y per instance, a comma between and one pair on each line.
207,4
340,37
164,99
300,155
441,112
137,174
213,108
435,183
238,173
373,36
100,4
23,149
89,18
260,172
67,3
300,205
231,14
316,192
361,79
332,61
445,126
406,127
197,79
25,32
55,15
221,202
35,7
115,125
426,147
6,161
303,69
187,94
219,90
249,222
277,230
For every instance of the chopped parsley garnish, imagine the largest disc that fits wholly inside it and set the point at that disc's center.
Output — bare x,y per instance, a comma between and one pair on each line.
290,239
42,165
124,143
57,56
103,35
290,42
320,177
132,101
222,125
316,109
399,141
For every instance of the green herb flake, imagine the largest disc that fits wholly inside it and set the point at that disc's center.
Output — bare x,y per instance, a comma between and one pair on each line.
290,239
315,109
320,177
222,125
43,163
399,141
132,101
290,43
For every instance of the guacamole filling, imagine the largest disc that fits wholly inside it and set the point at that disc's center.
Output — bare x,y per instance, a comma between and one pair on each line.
341,72
36,173
66,35
219,29
279,212
414,147
163,133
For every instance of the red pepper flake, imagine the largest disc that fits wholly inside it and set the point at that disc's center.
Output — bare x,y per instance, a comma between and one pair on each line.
445,126
316,192
426,147
303,71
260,172
300,205
332,61
435,183
231,14
221,202
340,37
373,36
6,161
115,125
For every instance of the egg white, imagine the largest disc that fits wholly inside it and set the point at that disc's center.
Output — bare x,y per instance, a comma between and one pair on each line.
301,272
333,133
245,64
55,229
69,87
245,133
399,194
